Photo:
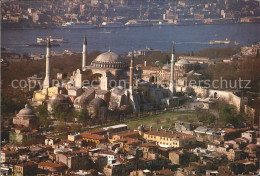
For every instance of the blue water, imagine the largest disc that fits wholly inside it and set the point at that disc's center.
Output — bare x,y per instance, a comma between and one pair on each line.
121,40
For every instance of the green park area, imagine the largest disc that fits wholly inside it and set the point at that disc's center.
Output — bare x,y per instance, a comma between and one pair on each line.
166,119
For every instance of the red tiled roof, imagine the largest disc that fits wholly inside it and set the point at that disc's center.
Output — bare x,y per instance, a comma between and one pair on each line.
95,131
92,136
165,172
129,140
129,133
169,134
149,68
49,164
234,130
26,164
149,145
108,153
8,152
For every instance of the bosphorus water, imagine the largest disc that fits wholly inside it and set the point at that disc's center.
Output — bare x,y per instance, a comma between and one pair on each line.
121,40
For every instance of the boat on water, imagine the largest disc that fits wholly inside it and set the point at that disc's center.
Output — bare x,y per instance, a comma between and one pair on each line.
227,41
72,25
67,24
134,24
111,25
42,44
52,39
162,23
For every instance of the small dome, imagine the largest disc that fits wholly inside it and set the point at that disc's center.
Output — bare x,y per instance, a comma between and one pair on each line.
58,98
98,102
26,111
183,62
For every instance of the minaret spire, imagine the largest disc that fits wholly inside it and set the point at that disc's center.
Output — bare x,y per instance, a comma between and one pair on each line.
131,72
85,40
132,94
46,83
84,52
171,86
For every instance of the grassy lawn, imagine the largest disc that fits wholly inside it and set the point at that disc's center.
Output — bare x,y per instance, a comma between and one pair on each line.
156,121
165,119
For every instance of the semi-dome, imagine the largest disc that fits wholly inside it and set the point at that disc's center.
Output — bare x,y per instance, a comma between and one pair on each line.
58,98
98,102
109,60
182,62
26,111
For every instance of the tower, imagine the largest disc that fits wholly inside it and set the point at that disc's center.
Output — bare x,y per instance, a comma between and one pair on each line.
171,87
133,96
84,52
46,83
131,72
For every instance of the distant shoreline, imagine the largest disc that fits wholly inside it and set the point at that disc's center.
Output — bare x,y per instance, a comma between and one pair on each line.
16,26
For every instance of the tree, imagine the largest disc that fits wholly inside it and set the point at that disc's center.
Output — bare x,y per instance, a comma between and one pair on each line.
45,121
74,128
42,111
229,115
158,121
61,127
83,115
59,112
206,117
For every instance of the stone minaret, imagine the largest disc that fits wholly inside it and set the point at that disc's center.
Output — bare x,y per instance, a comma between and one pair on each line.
133,96
84,52
131,73
172,89
46,83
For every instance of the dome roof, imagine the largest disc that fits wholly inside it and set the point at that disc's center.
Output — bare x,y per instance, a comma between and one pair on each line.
26,111
58,98
98,102
183,62
109,60
109,57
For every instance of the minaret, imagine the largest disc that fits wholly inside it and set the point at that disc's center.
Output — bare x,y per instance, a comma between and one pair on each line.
131,73
132,94
84,52
46,83
172,71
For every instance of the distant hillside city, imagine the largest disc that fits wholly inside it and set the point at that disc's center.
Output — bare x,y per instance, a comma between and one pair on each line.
110,13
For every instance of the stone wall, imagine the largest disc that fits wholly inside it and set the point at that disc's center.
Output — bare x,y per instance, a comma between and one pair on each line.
227,96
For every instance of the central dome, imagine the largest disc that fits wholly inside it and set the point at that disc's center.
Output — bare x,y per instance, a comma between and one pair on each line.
109,60
108,57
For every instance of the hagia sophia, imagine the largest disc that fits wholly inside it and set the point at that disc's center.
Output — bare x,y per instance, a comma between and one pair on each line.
109,84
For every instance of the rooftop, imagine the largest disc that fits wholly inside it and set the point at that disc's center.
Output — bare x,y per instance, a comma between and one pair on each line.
92,136
49,164
170,134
